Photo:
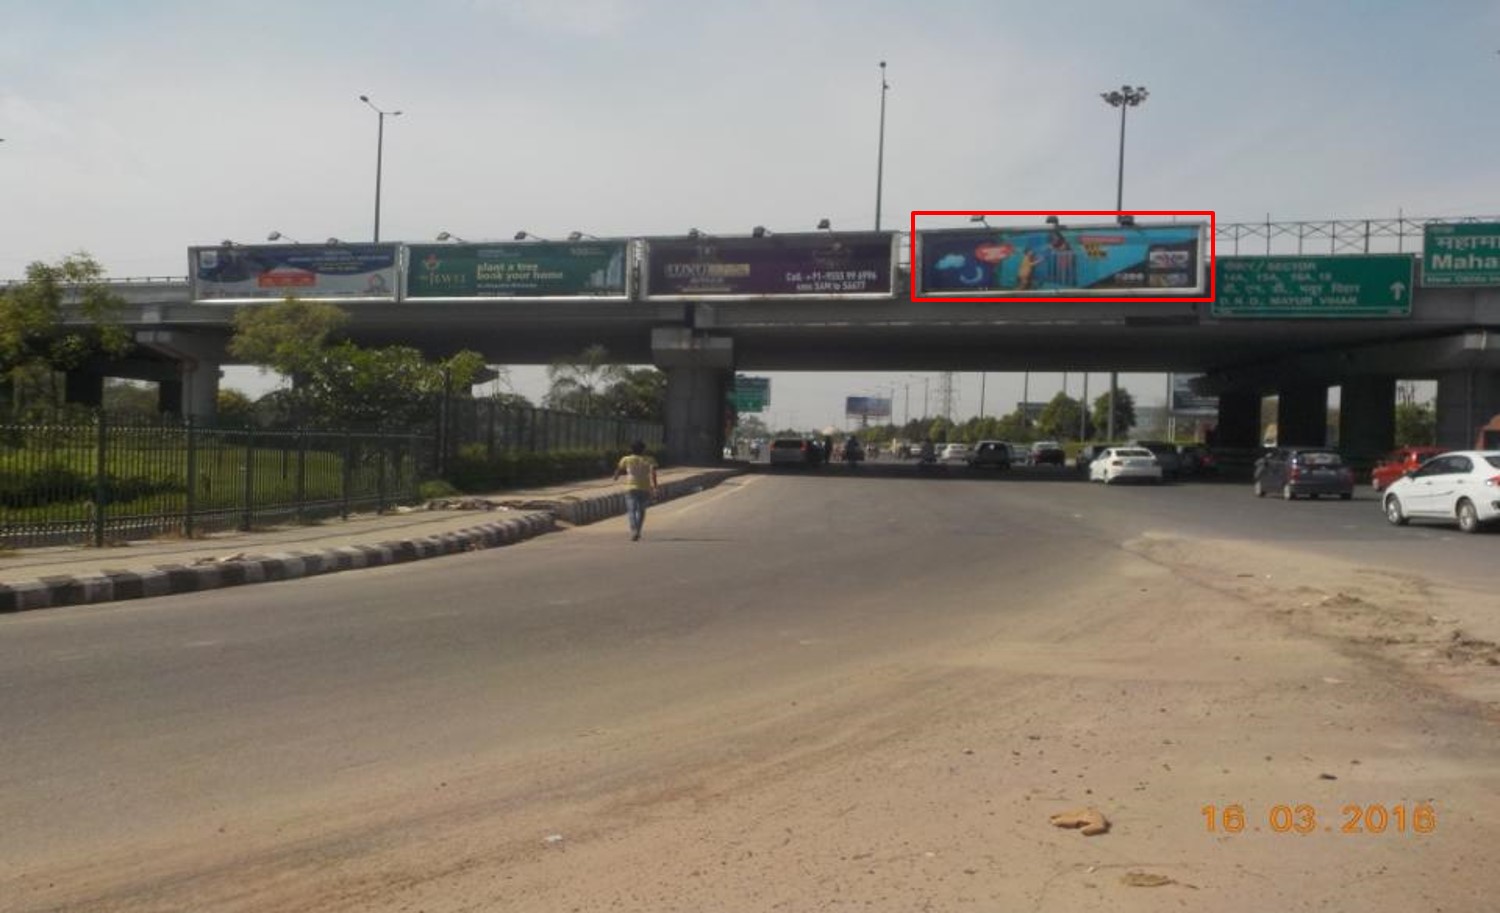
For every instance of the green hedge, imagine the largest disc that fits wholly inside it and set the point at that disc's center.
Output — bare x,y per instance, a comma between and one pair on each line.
64,484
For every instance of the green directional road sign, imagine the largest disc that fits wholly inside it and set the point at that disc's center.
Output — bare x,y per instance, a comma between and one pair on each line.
750,394
1352,286
1461,253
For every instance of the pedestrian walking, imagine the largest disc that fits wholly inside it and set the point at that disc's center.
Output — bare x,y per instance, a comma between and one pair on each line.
640,485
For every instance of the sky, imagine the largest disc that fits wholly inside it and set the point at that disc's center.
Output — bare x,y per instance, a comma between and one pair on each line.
133,129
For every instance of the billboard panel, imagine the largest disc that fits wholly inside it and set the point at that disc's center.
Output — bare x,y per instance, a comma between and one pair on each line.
313,272
542,269
1112,260
1187,401
1461,254
867,406
809,265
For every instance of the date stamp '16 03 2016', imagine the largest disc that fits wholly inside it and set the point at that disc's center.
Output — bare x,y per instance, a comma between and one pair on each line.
1376,818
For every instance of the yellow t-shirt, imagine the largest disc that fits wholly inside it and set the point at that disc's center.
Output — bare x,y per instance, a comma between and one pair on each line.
637,470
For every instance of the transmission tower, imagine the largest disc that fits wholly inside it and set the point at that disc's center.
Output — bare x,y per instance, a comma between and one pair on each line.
947,394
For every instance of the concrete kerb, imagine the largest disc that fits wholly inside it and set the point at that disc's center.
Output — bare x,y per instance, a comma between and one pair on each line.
169,579
537,518
581,511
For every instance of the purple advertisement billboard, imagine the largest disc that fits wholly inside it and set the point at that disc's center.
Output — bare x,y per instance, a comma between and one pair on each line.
811,265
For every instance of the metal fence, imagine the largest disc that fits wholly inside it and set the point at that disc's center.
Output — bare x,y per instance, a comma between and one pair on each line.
91,482
103,481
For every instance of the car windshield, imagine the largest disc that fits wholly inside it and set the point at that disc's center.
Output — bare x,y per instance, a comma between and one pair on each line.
787,444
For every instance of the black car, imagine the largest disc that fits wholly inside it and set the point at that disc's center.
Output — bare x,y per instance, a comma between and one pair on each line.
993,454
1303,471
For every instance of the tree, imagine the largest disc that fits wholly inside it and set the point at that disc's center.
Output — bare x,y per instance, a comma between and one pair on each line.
639,393
337,381
1060,417
1416,424
130,399
391,386
35,342
576,383
752,427
288,337
235,408
1124,412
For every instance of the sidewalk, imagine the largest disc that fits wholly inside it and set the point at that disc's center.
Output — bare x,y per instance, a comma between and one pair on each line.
75,575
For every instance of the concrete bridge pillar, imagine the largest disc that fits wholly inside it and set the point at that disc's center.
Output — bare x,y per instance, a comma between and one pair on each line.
1367,416
699,369
199,359
1466,400
1302,415
1239,420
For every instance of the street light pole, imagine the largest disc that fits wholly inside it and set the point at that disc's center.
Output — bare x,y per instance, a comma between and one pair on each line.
1125,98
880,155
379,154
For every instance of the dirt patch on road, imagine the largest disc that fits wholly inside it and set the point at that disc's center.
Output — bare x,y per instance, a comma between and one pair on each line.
1168,685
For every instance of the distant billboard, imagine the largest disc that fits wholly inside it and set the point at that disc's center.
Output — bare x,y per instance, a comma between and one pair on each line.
808,265
528,270
251,273
1186,400
867,407
1101,260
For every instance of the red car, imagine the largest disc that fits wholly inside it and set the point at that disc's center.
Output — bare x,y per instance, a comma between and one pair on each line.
1398,463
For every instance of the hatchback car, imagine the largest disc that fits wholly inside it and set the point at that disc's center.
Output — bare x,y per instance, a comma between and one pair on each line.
1119,463
1462,487
1303,472
990,455
1398,463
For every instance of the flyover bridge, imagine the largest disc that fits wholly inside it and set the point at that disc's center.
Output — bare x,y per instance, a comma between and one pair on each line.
1296,345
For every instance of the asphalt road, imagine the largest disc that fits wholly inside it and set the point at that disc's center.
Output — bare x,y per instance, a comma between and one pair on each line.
174,722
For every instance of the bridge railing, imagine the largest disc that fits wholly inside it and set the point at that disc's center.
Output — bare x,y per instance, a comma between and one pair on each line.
1402,234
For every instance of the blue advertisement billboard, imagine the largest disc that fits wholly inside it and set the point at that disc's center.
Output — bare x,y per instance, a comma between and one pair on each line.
867,406
1057,260
261,272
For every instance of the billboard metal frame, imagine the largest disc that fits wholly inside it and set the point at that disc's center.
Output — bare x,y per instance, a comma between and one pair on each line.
644,284
1201,292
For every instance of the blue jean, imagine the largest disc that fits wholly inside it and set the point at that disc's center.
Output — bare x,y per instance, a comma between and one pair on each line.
635,508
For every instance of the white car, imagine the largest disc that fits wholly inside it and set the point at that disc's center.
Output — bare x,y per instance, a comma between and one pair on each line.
1462,486
954,452
1125,463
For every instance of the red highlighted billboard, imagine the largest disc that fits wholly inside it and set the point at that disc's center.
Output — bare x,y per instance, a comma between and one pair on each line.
1110,255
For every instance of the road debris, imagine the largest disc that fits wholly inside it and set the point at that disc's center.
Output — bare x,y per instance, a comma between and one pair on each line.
1088,821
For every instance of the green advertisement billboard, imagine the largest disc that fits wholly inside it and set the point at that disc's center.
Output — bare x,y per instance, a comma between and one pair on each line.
528,270
1349,286
1461,254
